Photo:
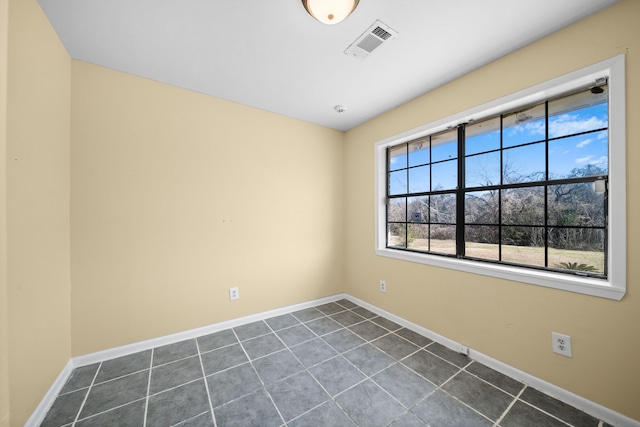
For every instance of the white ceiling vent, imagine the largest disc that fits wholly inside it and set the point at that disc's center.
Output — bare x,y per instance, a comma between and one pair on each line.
370,40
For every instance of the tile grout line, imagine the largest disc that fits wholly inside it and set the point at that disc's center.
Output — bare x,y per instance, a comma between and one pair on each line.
146,402
264,386
87,395
206,383
508,408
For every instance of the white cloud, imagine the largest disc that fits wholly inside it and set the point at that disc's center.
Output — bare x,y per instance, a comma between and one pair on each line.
568,124
583,143
586,159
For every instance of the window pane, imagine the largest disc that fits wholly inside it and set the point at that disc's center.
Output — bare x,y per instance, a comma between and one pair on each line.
398,157
397,235
419,152
582,155
481,207
443,209
524,126
577,113
482,170
482,136
524,164
418,237
576,205
419,179
397,211
577,249
481,241
443,239
445,175
523,206
523,245
398,182
444,146
418,209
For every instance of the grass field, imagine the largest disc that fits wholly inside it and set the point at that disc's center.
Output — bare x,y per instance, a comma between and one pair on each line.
517,254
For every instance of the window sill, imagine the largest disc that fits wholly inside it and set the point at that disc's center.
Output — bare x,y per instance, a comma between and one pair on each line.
582,285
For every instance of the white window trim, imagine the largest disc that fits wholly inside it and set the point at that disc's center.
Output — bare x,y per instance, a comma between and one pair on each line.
614,287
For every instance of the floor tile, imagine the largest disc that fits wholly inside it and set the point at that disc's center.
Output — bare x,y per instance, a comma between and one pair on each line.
386,323
64,409
369,359
223,358
202,420
251,330
228,385
405,385
178,404
277,366
263,345
297,394
496,378
217,340
343,340
307,314
442,410
281,322
111,394
368,405
414,337
81,377
172,352
408,420
326,415
336,375
323,326
124,365
431,367
449,355
484,398
559,409
253,410
347,318
364,312
346,303
295,335
395,346
368,331
313,352
330,308
130,415
523,415
174,374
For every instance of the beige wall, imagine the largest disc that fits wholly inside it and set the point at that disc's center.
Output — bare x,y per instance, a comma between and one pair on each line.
177,196
4,319
37,168
510,321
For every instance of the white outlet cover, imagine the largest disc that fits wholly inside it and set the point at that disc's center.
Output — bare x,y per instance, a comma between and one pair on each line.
383,286
561,344
234,294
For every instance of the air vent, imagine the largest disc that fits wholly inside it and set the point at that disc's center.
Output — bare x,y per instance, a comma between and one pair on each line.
375,36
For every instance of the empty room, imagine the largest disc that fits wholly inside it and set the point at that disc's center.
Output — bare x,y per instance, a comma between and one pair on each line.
319,213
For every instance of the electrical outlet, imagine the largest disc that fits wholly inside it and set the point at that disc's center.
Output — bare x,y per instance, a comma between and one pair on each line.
561,344
234,294
383,286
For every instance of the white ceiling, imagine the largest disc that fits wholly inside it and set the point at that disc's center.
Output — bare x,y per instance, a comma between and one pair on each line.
270,54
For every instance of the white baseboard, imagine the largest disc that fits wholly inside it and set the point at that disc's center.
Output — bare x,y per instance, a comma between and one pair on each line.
611,417
45,404
594,409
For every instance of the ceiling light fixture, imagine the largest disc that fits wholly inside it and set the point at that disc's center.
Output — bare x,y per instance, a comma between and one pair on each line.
330,12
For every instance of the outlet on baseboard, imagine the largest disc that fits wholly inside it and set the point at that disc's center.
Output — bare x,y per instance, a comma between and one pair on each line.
234,294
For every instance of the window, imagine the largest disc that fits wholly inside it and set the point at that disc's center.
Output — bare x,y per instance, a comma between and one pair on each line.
530,187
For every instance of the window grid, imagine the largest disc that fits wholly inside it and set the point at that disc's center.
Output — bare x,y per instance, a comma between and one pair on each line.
461,192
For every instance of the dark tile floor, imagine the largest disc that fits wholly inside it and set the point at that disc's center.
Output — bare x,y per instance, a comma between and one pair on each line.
336,364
